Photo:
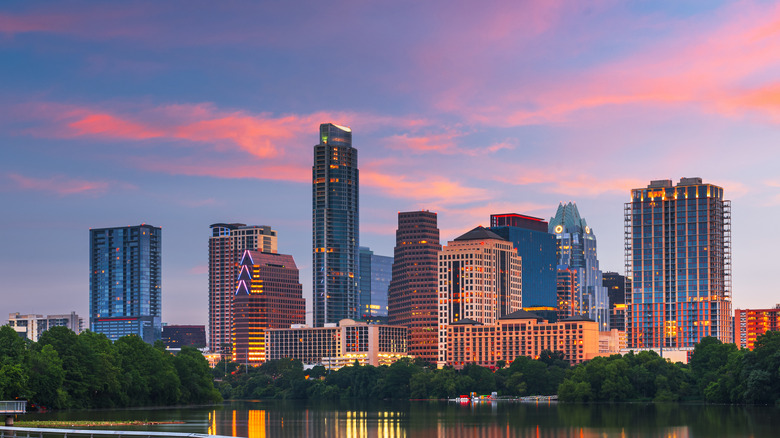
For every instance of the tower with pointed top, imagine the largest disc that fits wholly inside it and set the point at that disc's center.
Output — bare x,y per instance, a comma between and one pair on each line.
576,249
335,227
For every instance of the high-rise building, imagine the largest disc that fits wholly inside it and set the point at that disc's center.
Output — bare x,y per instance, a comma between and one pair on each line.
568,290
375,272
226,246
125,294
269,295
32,326
335,226
537,248
413,294
616,285
577,251
678,256
749,324
480,279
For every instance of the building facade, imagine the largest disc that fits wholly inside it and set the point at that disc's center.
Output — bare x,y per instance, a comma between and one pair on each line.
226,246
335,227
749,324
125,285
577,251
32,326
678,256
520,333
339,345
269,295
480,279
412,299
568,290
177,336
375,274
537,249
616,285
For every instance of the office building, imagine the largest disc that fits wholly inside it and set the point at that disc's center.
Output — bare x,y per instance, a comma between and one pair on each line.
520,333
335,226
616,285
125,290
678,256
375,274
537,249
568,290
269,295
479,280
32,326
338,345
576,247
227,244
177,336
749,324
413,293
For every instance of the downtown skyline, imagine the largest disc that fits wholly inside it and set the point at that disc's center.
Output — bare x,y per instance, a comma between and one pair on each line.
121,114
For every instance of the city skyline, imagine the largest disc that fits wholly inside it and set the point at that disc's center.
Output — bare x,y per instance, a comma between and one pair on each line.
120,114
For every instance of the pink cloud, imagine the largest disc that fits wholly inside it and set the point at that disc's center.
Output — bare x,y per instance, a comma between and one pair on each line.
428,188
59,185
199,270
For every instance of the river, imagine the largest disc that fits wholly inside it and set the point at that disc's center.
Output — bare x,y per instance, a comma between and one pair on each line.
260,419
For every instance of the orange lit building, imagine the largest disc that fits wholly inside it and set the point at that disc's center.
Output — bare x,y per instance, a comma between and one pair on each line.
750,323
520,333
269,295
479,280
412,299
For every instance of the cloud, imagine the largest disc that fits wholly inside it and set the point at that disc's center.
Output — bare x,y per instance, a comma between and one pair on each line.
60,185
438,189
199,270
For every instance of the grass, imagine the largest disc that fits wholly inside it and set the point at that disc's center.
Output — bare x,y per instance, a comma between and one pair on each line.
89,423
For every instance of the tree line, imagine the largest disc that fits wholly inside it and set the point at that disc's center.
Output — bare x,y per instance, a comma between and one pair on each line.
717,373
64,370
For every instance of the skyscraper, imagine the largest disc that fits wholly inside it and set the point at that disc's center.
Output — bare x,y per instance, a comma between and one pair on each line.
412,299
269,295
577,251
537,249
335,226
616,285
226,246
125,295
678,256
375,273
479,280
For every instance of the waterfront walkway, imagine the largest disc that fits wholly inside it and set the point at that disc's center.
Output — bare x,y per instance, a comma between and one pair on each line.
41,432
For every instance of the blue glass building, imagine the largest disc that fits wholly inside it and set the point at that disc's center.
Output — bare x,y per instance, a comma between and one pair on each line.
375,274
124,281
335,226
577,251
536,248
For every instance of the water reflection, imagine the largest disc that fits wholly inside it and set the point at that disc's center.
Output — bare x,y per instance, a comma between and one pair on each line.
450,420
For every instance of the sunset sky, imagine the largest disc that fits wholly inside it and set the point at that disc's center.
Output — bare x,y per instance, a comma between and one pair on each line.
181,114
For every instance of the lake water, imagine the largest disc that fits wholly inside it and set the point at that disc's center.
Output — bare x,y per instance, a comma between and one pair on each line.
441,419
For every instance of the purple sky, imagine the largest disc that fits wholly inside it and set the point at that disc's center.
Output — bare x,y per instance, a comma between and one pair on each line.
183,114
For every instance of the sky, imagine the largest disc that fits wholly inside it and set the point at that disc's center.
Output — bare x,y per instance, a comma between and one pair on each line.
182,114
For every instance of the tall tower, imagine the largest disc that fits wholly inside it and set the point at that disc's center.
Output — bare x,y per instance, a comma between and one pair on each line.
226,246
678,258
537,248
412,298
269,295
125,295
577,251
480,278
335,226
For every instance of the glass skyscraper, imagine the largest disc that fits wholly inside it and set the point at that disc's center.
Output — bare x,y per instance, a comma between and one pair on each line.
577,251
375,273
537,248
124,281
335,226
678,258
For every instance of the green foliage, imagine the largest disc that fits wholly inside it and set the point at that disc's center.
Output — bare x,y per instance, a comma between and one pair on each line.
68,371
